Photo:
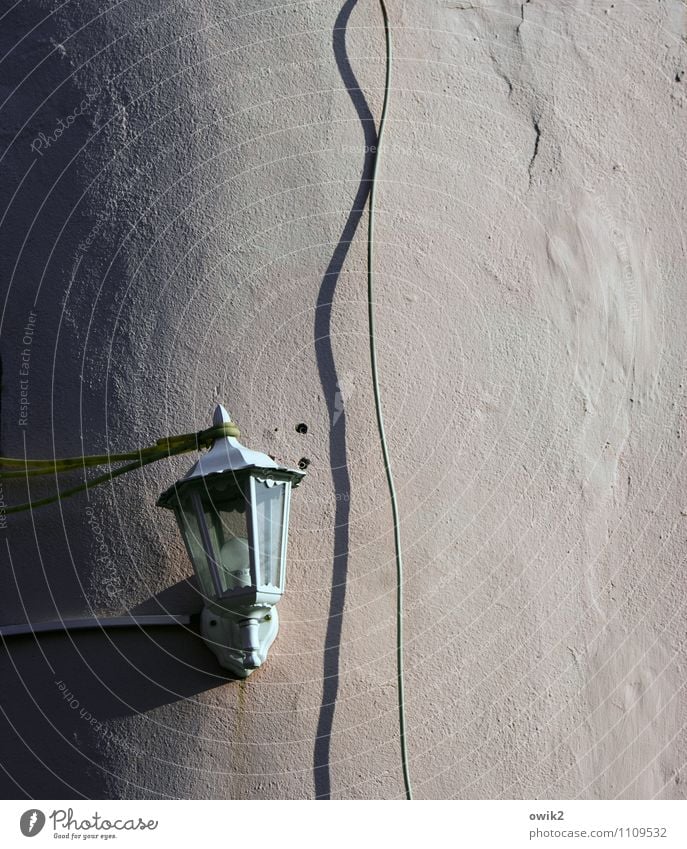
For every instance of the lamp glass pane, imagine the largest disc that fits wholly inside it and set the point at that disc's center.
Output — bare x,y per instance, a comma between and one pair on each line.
226,520
188,521
269,504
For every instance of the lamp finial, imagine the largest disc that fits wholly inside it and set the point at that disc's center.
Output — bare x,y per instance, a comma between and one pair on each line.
220,416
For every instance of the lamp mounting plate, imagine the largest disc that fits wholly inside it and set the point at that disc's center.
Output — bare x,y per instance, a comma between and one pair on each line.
241,639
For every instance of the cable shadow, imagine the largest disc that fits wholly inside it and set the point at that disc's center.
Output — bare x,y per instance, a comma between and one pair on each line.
337,414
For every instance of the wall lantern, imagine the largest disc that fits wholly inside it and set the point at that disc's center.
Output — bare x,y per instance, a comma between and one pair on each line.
233,512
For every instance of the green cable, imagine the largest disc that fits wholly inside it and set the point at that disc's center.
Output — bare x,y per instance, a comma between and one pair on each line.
380,417
168,446
65,493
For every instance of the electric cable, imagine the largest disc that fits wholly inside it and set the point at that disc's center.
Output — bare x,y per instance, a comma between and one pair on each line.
167,446
380,418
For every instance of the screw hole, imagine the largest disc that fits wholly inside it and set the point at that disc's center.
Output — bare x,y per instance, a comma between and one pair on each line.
303,463
301,428
213,622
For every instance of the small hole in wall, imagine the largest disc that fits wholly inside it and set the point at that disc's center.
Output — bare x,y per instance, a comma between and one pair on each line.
303,463
301,428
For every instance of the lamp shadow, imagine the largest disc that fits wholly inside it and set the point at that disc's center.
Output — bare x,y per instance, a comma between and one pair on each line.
68,689
337,414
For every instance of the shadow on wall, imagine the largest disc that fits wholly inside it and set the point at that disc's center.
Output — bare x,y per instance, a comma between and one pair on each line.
337,414
70,688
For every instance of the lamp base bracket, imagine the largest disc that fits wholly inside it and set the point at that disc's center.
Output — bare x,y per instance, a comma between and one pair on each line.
241,638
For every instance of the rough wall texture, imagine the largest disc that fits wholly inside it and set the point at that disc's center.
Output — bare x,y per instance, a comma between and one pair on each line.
188,228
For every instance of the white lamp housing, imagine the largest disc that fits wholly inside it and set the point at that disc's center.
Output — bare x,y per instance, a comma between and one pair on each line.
232,508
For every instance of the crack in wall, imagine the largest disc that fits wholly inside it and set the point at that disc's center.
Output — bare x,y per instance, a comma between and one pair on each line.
500,73
522,16
535,152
